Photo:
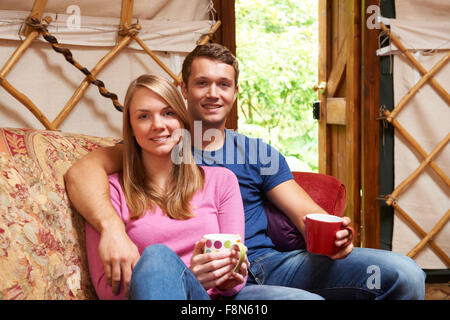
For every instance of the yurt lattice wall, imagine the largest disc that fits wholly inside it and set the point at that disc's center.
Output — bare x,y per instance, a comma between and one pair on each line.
57,56
420,44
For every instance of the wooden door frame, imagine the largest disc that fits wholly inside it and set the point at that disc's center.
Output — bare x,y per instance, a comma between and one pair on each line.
345,68
353,117
370,130
226,35
323,74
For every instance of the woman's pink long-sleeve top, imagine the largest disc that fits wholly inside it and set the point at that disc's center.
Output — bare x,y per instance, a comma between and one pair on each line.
217,208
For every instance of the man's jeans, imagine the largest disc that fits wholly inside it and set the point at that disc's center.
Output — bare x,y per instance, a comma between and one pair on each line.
161,275
364,274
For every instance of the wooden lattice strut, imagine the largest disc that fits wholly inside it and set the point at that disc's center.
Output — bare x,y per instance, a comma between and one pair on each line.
42,28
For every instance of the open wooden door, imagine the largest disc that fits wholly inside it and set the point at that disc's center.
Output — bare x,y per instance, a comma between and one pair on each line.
339,88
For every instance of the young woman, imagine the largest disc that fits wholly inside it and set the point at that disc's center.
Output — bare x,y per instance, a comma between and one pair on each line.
167,207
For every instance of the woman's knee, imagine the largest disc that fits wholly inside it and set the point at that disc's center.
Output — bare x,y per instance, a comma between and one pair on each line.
157,251
155,259
157,274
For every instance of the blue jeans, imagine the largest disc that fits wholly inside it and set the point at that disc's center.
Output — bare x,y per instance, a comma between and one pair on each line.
364,274
161,275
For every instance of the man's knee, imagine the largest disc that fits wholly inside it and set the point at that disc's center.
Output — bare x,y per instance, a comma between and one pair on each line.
414,278
407,277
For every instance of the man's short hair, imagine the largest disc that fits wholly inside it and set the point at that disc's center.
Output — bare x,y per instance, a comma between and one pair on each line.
212,51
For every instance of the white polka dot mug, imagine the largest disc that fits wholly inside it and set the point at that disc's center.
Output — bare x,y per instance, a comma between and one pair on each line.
225,241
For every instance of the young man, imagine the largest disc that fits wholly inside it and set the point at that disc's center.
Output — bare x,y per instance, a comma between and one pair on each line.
210,86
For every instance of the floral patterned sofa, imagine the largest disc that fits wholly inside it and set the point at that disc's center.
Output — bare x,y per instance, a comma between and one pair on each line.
42,240
41,235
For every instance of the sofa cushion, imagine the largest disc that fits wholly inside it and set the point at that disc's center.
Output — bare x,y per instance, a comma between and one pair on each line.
42,242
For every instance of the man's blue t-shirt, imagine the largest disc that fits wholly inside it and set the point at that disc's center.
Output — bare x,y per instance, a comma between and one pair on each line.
258,168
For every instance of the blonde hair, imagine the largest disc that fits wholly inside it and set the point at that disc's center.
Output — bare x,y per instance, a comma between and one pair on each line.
140,192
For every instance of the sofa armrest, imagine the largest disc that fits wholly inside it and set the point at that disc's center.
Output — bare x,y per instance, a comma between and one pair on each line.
326,191
42,238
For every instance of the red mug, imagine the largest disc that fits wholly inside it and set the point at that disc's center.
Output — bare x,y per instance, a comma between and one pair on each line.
321,233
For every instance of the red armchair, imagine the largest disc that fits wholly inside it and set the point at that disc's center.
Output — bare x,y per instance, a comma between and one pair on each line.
326,191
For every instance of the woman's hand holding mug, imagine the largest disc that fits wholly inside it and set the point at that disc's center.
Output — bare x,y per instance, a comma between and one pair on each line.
220,260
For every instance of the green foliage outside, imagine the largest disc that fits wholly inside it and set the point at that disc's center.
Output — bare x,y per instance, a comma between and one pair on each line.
277,51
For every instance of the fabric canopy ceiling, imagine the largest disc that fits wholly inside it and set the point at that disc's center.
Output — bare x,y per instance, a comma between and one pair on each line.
174,10
95,23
